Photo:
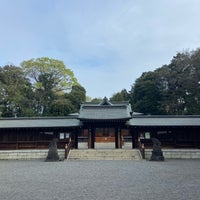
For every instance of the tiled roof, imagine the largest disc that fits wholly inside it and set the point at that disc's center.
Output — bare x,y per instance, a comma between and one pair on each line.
164,121
104,113
39,122
105,110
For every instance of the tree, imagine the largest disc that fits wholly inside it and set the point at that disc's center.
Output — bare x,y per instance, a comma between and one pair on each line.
96,100
77,96
145,95
179,84
170,89
15,93
61,107
49,77
64,104
120,96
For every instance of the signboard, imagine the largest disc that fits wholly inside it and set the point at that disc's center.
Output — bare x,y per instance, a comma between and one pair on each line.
62,136
147,135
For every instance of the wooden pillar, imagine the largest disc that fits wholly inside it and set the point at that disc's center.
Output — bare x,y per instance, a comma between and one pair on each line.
174,138
17,146
89,138
133,138
120,137
76,139
92,138
196,138
116,138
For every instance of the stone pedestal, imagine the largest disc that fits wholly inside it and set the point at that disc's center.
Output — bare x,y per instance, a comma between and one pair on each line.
157,154
53,152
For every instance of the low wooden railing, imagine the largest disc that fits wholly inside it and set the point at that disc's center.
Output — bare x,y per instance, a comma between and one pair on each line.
142,149
68,147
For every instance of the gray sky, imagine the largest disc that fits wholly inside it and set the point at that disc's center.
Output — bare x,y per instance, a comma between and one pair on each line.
107,43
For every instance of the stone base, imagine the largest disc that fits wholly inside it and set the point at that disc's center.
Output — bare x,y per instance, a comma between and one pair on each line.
52,155
176,153
28,154
157,156
53,152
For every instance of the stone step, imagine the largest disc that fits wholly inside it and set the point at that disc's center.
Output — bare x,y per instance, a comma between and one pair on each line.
107,154
104,145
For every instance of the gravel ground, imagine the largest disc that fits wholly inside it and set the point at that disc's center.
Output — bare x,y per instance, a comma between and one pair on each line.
93,180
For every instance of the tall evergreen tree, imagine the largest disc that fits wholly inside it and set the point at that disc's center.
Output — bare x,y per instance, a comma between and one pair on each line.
16,96
145,94
120,96
170,89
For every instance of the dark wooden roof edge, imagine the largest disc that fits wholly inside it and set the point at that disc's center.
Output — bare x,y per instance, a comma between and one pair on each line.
40,122
161,126
115,103
164,120
40,118
103,106
101,120
165,116
41,127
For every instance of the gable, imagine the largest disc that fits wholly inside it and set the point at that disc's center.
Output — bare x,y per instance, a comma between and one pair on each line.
105,111
105,102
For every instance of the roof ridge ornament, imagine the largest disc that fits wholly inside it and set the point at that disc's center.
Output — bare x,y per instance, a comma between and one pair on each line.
105,102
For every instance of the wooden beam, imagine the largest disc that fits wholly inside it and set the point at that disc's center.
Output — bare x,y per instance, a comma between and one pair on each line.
117,144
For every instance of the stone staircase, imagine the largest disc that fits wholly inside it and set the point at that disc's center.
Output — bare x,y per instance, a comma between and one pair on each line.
104,154
104,145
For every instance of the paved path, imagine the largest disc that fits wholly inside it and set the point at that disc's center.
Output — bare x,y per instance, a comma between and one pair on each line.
100,180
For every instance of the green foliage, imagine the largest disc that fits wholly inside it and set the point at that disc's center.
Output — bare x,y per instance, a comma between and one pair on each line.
171,89
49,77
88,99
183,92
61,107
41,87
47,73
77,96
67,103
15,92
146,95
45,87
120,96
96,100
